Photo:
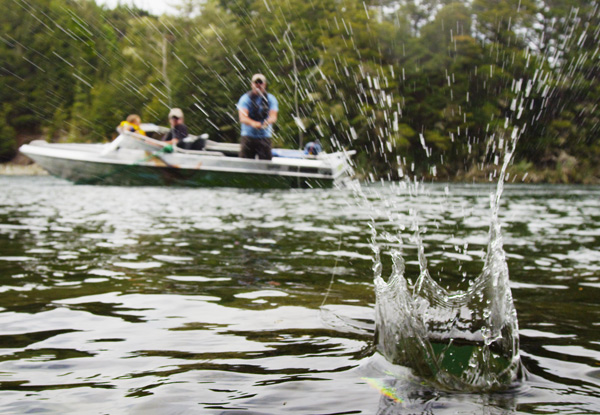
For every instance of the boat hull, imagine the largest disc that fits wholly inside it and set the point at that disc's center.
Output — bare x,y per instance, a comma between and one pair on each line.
144,168
81,172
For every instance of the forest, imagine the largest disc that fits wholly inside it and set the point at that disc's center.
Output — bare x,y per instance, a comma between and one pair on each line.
429,88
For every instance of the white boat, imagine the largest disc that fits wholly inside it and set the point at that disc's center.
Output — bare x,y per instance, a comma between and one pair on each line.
133,159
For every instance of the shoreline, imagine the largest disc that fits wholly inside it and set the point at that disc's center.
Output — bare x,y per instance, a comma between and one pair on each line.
14,169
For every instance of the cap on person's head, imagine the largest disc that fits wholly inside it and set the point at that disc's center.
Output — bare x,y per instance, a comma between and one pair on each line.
259,76
176,112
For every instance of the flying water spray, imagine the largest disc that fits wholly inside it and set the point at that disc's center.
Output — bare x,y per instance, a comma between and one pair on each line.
457,340
465,339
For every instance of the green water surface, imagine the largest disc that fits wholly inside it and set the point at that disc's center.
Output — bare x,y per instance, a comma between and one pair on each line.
210,301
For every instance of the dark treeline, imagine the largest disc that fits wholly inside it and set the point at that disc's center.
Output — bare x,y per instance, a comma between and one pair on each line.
433,88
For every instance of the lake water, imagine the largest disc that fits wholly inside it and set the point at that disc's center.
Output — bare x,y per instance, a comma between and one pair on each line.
183,301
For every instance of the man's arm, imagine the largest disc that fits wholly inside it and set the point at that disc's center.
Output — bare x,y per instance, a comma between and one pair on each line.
271,119
245,119
273,111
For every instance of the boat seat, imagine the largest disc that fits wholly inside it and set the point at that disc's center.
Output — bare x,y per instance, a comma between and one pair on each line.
229,149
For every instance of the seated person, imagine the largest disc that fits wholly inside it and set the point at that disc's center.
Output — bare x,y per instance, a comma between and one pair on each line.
132,124
178,129
313,148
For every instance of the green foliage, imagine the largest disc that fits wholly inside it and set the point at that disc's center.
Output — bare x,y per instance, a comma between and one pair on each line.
8,134
432,85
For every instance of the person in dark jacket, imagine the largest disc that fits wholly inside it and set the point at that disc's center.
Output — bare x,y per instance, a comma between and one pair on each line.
178,128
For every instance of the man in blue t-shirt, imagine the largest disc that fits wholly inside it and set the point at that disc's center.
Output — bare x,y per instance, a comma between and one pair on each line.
257,112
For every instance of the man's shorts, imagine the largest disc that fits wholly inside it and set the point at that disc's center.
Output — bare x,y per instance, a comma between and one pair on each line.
252,147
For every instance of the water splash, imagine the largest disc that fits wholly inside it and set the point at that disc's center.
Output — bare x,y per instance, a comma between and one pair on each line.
457,340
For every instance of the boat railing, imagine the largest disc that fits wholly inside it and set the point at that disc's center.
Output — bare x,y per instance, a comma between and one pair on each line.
134,140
